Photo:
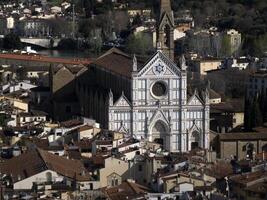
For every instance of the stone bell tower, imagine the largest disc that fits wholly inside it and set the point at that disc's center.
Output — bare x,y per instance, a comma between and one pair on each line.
165,30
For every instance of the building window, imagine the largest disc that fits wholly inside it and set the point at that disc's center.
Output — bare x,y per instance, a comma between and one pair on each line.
114,182
140,168
159,89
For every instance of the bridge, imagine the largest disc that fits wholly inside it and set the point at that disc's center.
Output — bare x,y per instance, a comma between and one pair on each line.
41,42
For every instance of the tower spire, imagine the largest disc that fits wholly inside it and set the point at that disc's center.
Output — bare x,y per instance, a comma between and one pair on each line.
165,7
165,33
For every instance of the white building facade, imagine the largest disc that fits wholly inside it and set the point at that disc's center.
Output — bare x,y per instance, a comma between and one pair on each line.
160,109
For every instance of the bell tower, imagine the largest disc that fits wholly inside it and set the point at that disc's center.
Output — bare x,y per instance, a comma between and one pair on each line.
165,30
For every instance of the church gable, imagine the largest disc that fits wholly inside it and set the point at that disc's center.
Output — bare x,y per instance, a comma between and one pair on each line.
165,20
159,65
158,115
195,101
122,102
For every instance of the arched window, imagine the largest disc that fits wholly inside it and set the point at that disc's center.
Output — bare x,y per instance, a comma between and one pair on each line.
167,35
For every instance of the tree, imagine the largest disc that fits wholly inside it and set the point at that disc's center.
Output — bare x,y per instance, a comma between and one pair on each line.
12,41
21,73
247,115
86,26
137,20
60,27
67,43
95,41
256,114
260,45
226,46
139,43
253,114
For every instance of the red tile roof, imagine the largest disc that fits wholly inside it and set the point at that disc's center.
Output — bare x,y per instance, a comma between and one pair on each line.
116,61
39,161
127,190
40,58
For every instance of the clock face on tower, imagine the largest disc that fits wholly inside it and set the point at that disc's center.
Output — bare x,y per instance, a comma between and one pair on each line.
159,69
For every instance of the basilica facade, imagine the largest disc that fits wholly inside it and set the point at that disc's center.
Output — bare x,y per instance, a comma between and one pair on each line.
159,108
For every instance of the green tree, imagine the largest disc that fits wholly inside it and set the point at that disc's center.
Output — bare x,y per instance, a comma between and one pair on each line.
137,20
260,45
95,41
139,43
247,115
21,73
67,44
226,46
12,41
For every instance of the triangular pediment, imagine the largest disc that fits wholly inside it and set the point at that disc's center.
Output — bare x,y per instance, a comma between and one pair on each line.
158,115
159,65
123,129
195,101
122,102
166,19
193,128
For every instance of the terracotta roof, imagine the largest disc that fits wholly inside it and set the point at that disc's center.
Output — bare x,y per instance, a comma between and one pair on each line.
40,143
74,154
39,58
98,160
116,61
74,69
85,128
258,188
71,123
39,161
18,169
249,177
235,105
33,113
213,94
84,144
127,190
220,170
243,136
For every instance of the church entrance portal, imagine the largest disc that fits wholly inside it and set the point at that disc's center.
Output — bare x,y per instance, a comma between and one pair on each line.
194,145
194,140
159,133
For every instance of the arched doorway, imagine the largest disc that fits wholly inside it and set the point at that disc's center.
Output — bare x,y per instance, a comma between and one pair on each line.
159,133
194,140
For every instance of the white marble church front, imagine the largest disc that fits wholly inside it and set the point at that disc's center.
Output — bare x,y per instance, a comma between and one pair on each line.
160,110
